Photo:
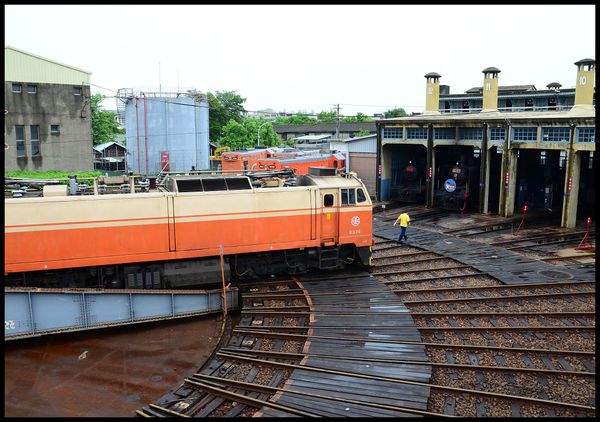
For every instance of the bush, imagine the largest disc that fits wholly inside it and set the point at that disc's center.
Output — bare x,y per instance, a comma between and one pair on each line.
53,175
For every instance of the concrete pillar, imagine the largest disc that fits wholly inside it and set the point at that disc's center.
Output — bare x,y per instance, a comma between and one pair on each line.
503,170
486,181
509,209
506,204
386,172
430,165
484,169
572,174
379,132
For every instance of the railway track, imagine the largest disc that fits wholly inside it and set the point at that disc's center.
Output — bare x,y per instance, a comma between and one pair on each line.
226,387
490,349
250,373
539,239
496,344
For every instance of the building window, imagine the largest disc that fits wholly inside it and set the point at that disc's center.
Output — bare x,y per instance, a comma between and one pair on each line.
77,90
586,134
470,133
525,134
32,89
444,133
416,133
555,134
54,129
542,158
20,136
35,140
17,88
497,134
591,161
392,133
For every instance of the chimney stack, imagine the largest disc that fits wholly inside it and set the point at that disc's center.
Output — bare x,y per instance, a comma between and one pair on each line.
584,88
490,89
432,99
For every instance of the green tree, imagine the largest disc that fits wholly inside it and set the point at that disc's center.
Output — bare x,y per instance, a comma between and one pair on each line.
297,119
268,136
223,107
327,116
360,133
104,124
245,135
360,117
234,135
395,112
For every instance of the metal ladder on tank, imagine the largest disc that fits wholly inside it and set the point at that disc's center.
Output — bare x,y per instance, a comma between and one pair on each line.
123,95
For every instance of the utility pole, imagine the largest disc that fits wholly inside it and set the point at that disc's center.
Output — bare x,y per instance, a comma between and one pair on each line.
337,127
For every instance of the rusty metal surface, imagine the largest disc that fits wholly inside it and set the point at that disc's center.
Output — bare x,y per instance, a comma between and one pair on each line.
108,372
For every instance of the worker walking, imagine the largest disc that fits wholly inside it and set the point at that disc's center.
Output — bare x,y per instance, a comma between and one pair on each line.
404,220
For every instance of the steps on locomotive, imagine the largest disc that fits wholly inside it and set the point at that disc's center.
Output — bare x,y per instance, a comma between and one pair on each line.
328,258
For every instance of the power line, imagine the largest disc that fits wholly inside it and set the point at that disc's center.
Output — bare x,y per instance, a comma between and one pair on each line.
101,87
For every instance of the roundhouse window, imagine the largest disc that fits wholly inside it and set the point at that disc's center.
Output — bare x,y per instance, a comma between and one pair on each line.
586,134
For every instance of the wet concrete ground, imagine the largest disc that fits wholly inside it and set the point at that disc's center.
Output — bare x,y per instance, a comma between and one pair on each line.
104,372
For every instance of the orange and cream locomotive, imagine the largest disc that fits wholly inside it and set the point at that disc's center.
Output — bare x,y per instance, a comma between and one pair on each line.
175,238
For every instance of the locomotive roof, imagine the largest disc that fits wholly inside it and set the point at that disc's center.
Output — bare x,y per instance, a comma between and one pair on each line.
330,181
206,183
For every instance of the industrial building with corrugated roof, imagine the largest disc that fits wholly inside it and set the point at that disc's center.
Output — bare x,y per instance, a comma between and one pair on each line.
47,117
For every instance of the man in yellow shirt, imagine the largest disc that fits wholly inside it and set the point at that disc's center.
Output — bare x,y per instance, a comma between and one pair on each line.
404,220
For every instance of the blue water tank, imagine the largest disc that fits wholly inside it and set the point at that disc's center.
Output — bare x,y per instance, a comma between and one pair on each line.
169,133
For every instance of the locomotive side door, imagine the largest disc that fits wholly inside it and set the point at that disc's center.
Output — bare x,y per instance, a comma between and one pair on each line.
329,216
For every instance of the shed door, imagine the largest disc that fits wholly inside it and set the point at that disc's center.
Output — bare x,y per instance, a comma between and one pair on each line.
329,217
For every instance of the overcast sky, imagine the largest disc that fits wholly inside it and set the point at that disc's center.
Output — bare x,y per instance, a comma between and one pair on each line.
308,57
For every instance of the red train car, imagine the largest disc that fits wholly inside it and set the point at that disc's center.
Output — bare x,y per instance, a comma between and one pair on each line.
240,161
302,163
236,162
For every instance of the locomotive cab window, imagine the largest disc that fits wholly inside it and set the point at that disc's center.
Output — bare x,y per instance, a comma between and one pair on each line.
360,196
328,200
348,197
